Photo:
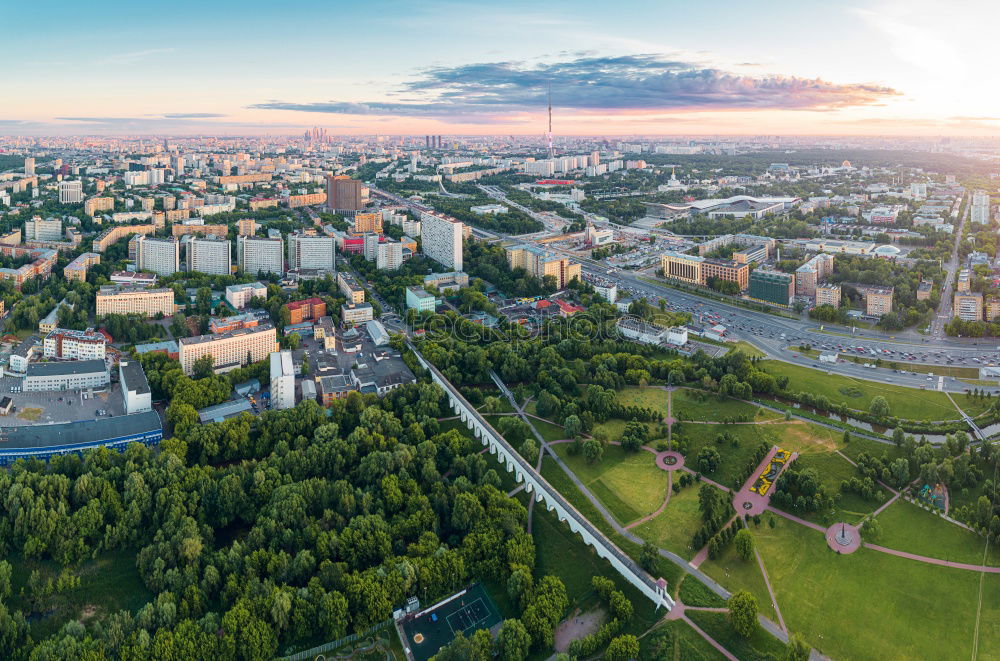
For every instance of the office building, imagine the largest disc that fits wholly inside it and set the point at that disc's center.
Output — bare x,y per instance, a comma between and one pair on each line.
540,263
77,269
418,299
73,375
238,296
310,309
126,299
311,252
43,229
968,306
208,254
282,380
356,313
772,287
442,240
334,387
256,255
701,270
75,345
344,194
350,288
135,387
70,192
389,256
229,350
828,294
161,256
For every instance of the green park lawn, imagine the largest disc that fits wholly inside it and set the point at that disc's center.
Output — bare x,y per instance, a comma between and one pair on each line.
734,573
629,484
689,405
733,460
647,397
615,427
909,403
676,639
108,584
906,527
674,528
749,349
833,469
761,645
549,431
872,605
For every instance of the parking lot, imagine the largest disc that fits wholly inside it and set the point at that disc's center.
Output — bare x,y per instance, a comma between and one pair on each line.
58,406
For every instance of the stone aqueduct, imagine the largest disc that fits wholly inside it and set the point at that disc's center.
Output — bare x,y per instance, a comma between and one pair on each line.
542,491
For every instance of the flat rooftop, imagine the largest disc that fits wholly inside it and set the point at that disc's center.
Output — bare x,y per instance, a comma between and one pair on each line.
80,431
67,368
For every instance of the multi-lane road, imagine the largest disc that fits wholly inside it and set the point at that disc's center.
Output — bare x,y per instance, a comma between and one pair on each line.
778,336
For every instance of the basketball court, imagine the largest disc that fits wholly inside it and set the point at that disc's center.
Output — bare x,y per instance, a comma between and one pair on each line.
436,626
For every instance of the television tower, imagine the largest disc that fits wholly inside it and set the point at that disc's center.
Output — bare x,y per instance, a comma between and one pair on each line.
551,151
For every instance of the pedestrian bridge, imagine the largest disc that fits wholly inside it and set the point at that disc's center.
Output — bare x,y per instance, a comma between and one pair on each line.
542,491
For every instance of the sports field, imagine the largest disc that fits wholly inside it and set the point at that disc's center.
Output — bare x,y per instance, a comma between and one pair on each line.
435,626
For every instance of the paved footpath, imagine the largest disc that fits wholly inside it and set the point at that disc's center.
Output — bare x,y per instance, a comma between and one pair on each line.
666,501
934,561
770,590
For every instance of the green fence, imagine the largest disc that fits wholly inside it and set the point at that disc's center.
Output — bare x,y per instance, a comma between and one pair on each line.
329,647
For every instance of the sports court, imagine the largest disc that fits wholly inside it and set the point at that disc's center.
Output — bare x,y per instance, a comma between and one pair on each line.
436,626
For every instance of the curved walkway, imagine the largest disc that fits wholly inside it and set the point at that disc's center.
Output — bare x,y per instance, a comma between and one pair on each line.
659,510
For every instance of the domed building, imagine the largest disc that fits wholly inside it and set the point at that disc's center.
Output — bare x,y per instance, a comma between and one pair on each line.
887,251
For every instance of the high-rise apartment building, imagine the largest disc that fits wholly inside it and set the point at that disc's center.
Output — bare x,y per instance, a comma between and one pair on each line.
345,194
77,269
259,255
29,167
75,344
389,256
43,229
70,192
311,252
442,240
229,350
161,256
246,227
208,254
828,294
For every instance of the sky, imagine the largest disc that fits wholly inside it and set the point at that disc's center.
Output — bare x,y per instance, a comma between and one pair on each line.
628,67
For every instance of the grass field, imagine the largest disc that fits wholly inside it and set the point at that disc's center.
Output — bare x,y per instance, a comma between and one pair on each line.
629,484
677,640
107,584
29,413
615,427
649,397
833,469
871,605
906,527
761,645
734,573
748,349
549,431
695,593
674,528
733,459
857,394
688,405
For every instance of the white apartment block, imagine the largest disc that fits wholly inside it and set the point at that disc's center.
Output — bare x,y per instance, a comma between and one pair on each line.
442,240
238,296
389,256
161,256
282,380
312,252
259,255
229,350
134,300
208,254
39,229
70,192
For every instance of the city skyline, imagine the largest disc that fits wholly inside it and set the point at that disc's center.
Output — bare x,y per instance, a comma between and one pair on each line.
881,67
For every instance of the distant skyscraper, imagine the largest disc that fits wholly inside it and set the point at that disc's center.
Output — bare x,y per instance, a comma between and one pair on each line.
345,194
441,239
29,167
